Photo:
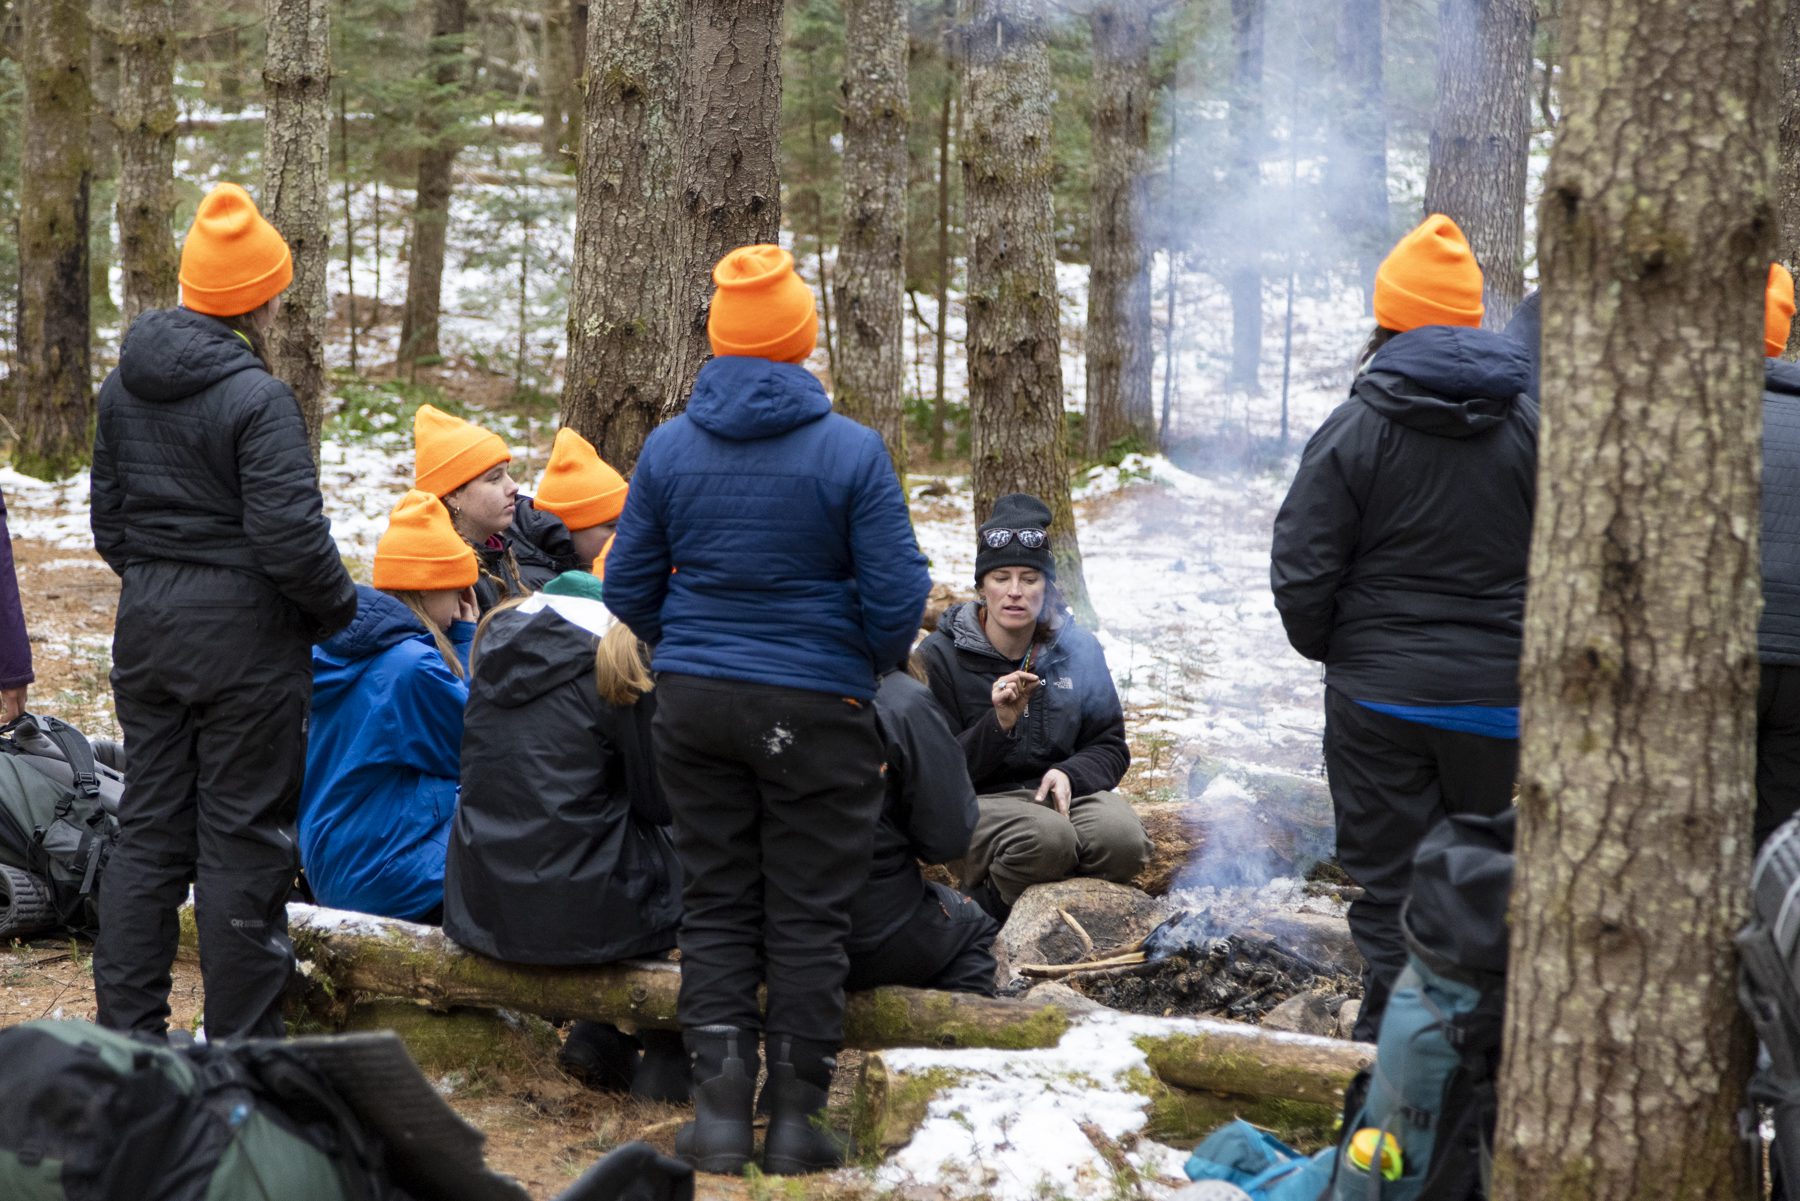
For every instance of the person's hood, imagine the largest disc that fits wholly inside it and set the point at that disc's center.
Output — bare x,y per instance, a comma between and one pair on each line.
380,622
170,354
963,623
537,646
541,531
1781,377
743,398
1449,380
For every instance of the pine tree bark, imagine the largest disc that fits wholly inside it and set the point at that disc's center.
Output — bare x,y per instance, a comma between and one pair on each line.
1480,135
556,79
871,273
1244,277
53,393
1787,179
1118,328
296,197
1018,434
1358,165
940,414
145,117
728,175
1625,1052
431,203
622,290
103,154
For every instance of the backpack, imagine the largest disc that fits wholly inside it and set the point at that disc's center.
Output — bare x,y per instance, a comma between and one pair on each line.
1432,1087
58,822
1769,991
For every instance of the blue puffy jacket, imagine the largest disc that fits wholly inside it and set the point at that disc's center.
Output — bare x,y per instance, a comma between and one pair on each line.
793,552
383,761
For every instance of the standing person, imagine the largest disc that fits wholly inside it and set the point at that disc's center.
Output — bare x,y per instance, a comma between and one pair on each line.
579,868
16,675
584,493
205,503
1032,700
1778,633
383,757
469,469
1399,563
767,554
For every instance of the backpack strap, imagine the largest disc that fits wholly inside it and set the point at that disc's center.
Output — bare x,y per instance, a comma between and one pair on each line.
304,1096
77,751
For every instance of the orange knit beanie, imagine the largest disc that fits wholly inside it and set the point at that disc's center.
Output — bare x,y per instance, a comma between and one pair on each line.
1778,310
578,485
760,308
420,551
233,260
448,452
1429,278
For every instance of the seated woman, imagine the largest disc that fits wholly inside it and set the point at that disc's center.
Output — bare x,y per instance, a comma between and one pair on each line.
582,492
382,755
905,929
469,469
560,852
1039,722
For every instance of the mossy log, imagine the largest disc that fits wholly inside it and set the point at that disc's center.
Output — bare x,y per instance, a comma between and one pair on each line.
1246,1061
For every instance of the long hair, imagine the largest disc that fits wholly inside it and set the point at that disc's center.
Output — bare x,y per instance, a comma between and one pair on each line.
246,329
1378,337
416,602
620,674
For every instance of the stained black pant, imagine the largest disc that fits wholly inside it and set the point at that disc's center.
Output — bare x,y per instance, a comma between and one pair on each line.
213,702
1777,748
947,943
1391,781
775,792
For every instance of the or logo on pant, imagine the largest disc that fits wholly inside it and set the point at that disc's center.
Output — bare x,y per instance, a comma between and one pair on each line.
246,923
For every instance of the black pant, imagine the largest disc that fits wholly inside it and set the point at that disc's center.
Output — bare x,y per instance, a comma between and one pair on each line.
213,703
1392,780
947,943
1777,748
774,792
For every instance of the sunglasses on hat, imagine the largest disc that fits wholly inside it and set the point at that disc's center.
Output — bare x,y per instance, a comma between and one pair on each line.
1030,539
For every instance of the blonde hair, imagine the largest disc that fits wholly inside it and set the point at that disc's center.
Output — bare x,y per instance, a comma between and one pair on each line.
621,675
415,601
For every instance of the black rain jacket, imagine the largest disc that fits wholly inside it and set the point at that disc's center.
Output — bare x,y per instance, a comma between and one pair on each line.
1075,721
201,460
1400,552
560,851
928,810
1778,633
540,544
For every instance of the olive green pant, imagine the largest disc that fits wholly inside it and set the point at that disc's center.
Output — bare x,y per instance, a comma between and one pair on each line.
1019,842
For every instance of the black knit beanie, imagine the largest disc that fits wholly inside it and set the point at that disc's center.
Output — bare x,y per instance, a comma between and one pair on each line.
1014,512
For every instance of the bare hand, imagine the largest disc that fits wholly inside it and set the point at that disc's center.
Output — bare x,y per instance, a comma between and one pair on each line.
467,607
1056,786
1010,694
12,702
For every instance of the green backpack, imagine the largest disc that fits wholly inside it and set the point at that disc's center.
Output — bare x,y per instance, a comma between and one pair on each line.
58,822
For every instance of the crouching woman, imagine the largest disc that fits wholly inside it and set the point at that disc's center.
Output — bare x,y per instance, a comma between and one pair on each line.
382,761
571,862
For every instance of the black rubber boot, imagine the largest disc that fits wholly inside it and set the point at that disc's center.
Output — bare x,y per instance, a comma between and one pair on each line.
799,1083
662,1074
599,1055
722,1064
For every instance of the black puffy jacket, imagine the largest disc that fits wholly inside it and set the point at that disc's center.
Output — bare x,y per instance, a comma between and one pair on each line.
1527,329
201,457
1778,634
559,853
1400,552
927,812
540,545
1074,723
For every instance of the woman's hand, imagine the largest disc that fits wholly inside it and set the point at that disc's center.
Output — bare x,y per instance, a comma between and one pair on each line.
1010,694
467,607
1056,787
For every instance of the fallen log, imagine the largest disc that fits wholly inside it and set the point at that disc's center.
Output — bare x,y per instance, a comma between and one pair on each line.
1280,823
1247,1061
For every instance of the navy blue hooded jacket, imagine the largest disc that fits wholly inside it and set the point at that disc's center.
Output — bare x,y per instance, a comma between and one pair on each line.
382,761
1778,633
1400,552
791,549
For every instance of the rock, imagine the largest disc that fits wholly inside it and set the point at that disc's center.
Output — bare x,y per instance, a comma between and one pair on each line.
1304,1013
1055,992
1317,936
1346,1018
1115,916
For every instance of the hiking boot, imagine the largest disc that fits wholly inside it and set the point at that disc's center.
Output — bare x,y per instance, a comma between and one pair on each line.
662,1074
722,1066
599,1055
799,1081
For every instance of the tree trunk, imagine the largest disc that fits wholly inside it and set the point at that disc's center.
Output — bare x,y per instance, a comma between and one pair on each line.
53,394
1119,337
145,116
296,200
431,203
1018,434
1625,1051
1244,276
871,276
1787,180
729,180
1358,164
622,290
103,154
941,340
1480,133
556,76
